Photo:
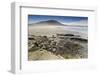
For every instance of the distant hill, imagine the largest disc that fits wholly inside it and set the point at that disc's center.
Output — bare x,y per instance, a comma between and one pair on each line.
54,23
48,22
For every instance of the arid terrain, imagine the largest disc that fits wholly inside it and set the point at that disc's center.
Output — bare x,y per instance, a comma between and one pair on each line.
50,40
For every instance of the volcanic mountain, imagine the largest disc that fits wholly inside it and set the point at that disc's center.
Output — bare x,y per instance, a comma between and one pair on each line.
48,22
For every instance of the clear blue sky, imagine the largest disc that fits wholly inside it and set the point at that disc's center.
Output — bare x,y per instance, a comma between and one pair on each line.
62,19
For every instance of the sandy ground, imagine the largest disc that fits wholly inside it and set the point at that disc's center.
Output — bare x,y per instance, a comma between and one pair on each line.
43,55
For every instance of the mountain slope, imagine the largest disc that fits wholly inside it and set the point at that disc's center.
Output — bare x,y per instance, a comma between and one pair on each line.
48,22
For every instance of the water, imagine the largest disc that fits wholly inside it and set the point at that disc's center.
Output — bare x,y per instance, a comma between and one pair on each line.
80,29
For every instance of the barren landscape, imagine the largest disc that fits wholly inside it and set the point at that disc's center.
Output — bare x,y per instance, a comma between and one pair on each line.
50,40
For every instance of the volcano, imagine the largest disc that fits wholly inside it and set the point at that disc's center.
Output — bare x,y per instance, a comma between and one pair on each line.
48,22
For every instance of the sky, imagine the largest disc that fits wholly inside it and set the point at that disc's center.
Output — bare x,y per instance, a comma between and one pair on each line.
62,19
